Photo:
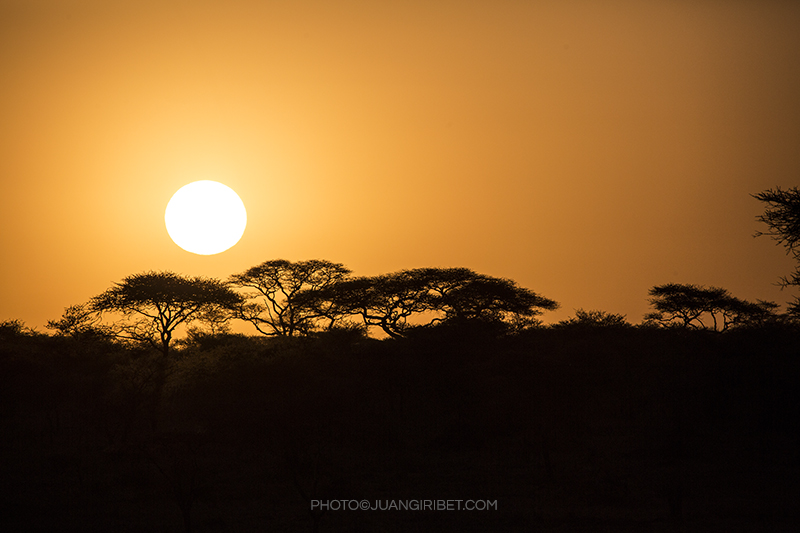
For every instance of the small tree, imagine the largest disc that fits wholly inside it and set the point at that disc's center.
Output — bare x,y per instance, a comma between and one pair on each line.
697,307
272,308
154,304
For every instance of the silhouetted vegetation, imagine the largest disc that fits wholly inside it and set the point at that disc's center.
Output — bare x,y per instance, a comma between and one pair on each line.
782,217
714,308
688,421
595,425
594,319
432,296
80,320
154,304
272,309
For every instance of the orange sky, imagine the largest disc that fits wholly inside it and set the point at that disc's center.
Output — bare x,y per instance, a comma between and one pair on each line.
588,149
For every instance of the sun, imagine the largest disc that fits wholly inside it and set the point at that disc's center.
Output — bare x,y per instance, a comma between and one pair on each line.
205,217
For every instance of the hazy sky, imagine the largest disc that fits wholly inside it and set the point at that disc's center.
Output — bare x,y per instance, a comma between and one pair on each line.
586,149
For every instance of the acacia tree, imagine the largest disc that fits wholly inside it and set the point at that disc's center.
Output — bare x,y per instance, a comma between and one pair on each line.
742,313
386,301
464,296
273,308
697,307
782,217
453,295
154,304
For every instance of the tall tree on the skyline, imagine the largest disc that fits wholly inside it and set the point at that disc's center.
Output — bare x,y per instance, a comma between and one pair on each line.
154,304
425,296
782,217
272,308
714,308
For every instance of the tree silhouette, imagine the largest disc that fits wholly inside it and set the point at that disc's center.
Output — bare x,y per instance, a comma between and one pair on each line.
453,295
272,309
782,217
154,304
693,306
464,296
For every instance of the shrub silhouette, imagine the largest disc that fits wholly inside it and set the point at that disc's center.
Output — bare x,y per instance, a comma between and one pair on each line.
594,319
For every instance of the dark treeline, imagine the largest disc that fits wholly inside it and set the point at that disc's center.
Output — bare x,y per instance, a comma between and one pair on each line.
578,428
284,298
142,411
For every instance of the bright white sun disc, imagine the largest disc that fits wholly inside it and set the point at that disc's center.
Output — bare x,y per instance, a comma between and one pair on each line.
205,217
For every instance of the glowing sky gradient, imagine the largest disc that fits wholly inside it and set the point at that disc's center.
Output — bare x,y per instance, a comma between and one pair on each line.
588,149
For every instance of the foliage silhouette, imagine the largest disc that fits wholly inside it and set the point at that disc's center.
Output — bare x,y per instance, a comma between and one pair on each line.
693,306
641,425
154,304
440,295
273,310
594,319
782,217
592,417
80,321
15,328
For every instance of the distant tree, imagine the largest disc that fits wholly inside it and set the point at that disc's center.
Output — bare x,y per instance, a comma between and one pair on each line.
742,313
697,307
154,304
782,217
79,321
594,319
453,295
273,309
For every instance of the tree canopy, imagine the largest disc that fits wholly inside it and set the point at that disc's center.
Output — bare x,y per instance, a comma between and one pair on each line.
697,307
79,321
154,304
782,217
390,301
273,309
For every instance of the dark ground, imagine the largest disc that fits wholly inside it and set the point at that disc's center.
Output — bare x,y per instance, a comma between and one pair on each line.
567,430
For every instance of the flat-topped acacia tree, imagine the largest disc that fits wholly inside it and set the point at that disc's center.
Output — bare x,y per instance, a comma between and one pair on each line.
272,307
713,308
440,295
154,304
